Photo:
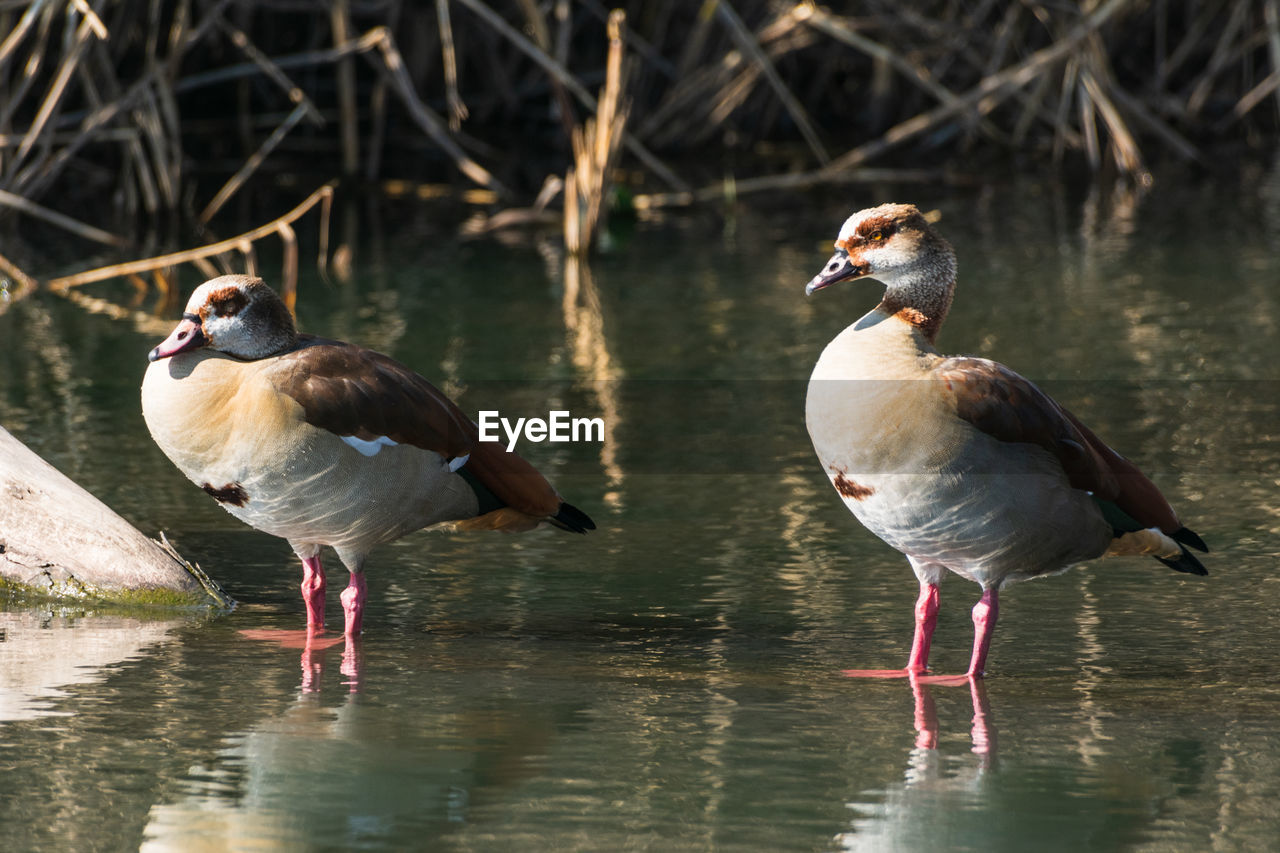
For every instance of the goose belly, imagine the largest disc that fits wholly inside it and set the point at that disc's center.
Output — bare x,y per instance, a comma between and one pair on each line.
328,494
231,433
989,511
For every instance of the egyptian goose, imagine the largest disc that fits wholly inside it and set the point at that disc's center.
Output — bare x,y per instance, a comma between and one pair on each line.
958,462
326,443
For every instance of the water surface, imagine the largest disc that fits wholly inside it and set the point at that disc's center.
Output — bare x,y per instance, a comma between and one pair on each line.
671,682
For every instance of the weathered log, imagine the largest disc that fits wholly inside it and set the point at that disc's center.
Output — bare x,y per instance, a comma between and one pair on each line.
59,541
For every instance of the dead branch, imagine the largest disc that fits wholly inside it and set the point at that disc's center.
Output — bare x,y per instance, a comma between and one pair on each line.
243,242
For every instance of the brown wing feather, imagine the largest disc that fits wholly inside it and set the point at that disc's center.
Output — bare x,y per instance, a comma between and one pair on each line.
1135,493
352,391
513,480
1010,408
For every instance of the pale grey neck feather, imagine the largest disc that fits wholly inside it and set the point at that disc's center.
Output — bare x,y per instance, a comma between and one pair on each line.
926,285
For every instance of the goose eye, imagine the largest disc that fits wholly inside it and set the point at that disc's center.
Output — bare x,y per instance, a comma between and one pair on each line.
224,308
876,236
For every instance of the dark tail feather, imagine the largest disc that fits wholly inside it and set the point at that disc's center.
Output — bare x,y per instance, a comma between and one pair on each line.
568,517
1187,562
572,519
1187,536
487,500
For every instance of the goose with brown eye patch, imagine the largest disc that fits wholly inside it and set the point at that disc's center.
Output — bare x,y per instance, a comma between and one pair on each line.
959,463
325,443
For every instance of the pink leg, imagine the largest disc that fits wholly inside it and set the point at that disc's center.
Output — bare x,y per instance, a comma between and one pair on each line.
984,625
313,592
353,604
926,620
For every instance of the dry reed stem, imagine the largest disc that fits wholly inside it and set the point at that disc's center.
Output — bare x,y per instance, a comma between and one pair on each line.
91,18
392,67
61,220
236,181
107,99
243,243
637,45
32,182
1271,17
797,181
272,71
748,44
147,324
542,40
289,266
595,148
1269,85
249,255
227,73
1203,87
560,74
340,21
56,90
822,21
449,54
1174,140
158,135
703,101
142,171
572,213
1098,81
26,285
25,23
987,93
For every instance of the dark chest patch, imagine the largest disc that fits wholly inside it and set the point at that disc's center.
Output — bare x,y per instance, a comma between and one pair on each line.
849,489
231,493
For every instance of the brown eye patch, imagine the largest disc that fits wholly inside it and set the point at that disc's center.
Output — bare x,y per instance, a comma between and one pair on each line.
876,230
227,301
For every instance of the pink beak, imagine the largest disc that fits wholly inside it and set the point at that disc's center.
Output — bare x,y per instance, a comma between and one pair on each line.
187,336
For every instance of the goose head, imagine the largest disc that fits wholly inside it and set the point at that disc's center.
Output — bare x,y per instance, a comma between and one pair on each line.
234,314
893,244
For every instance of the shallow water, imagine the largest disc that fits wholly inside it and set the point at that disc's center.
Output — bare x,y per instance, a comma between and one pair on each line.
671,682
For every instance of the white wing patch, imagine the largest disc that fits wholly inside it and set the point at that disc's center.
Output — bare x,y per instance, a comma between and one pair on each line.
457,462
369,448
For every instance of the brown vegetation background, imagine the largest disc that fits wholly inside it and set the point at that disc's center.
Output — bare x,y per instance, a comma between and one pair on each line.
118,117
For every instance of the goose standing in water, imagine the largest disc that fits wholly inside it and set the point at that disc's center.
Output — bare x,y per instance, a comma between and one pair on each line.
322,442
959,463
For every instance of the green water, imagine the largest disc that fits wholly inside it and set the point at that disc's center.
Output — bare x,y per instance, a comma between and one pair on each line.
671,682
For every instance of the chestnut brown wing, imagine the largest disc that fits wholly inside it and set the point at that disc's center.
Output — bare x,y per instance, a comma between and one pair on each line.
352,391
1009,407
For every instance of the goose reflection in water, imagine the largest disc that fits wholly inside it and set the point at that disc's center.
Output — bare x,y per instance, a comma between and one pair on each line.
982,732
315,646
906,815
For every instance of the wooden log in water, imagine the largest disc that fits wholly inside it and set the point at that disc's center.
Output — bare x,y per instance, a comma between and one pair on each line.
59,541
